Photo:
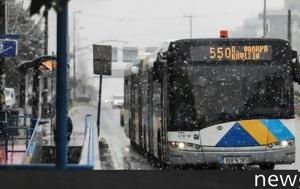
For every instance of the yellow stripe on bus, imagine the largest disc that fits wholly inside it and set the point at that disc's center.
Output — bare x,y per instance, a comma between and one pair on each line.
258,131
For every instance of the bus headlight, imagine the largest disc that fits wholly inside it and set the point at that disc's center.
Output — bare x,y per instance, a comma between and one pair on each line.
184,146
284,143
181,145
281,144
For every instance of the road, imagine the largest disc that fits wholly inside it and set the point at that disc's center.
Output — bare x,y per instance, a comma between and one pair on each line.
120,156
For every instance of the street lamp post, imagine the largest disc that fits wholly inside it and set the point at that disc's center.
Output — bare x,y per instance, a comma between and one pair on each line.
74,50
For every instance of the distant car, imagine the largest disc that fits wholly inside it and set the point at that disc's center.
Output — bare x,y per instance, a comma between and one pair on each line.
108,100
117,101
10,98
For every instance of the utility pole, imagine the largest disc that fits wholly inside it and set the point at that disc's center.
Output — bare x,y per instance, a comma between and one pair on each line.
191,24
289,25
265,19
2,31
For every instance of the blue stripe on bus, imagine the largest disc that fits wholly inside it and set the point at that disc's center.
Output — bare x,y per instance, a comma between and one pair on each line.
278,129
237,137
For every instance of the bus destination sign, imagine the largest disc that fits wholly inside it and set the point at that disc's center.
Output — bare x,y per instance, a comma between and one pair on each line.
231,53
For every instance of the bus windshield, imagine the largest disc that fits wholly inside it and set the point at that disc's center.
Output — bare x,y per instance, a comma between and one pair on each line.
205,95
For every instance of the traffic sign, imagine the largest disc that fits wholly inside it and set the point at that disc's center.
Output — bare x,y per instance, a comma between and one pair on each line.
102,59
9,36
8,48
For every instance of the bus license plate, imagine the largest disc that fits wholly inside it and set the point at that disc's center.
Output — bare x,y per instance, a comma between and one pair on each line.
235,160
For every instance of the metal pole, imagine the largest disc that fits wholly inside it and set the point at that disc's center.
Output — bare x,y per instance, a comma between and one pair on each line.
74,53
2,74
22,89
52,104
99,105
191,24
6,143
265,19
74,49
46,14
289,32
2,31
36,92
61,97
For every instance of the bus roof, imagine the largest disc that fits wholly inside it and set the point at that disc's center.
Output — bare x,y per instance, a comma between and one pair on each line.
233,40
146,60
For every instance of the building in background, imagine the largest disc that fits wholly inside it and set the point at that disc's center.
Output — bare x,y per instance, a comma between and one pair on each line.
130,53
277,25
252,27
292,4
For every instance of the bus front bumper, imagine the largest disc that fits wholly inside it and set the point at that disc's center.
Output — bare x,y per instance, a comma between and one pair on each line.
216,155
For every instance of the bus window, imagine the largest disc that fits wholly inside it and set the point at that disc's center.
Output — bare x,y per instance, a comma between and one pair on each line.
227,93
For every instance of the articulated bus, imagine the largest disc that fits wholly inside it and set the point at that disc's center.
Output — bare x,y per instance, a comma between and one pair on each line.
214,101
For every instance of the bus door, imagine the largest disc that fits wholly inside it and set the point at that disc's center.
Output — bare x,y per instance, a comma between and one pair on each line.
135,110
150,114
157,118
164,115
279,129
127,106
140,97
145,111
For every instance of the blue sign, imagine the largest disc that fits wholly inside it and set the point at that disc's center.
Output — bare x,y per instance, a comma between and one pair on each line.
8,48
9,36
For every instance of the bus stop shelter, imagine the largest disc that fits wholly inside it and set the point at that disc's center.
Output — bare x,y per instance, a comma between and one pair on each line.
37,84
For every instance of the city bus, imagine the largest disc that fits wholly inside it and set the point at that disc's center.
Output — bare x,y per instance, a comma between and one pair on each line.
220,101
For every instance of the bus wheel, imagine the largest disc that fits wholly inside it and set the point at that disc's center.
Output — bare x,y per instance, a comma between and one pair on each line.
267,166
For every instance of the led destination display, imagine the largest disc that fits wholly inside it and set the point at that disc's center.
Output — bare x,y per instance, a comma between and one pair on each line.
234,53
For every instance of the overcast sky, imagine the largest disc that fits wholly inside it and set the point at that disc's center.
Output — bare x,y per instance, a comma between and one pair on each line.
150,22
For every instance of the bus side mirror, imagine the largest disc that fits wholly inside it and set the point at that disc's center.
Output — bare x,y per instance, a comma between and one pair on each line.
296,67
162,56
158,65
